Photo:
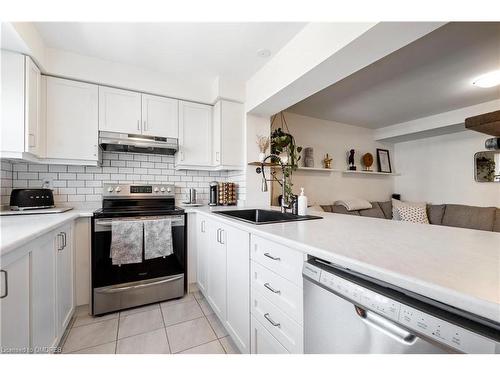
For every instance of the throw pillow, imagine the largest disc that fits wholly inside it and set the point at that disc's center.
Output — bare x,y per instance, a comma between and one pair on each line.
397,203
413,214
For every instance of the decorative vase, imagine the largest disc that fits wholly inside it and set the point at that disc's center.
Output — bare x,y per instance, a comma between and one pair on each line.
262,156
309,157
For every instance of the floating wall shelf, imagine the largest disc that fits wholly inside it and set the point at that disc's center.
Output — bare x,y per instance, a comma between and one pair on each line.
273,165
372,172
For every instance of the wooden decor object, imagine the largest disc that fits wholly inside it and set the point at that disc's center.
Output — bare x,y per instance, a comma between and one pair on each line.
487,123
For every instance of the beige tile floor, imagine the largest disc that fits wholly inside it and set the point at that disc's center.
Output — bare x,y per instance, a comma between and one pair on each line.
186,325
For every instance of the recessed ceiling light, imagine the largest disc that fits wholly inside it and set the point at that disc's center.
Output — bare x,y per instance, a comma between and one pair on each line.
488,80
263,53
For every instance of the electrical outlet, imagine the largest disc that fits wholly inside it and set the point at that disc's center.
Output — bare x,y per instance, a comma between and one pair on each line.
48,183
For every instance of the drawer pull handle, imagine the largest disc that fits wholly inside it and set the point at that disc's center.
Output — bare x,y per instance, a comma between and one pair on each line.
271,257
272,289
266,315
6,275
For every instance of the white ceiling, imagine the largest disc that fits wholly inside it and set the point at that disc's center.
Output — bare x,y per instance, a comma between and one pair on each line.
199,49
431,75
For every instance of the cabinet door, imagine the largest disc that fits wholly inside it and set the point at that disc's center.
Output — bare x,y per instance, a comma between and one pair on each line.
202,244
64,278
228,137
15,304
263,342
231,143
72,119
217,269
195,134
160,116
119,110
43,296
238,286
33,125
217,134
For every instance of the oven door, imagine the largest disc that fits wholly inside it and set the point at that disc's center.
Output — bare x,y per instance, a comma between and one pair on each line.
121,286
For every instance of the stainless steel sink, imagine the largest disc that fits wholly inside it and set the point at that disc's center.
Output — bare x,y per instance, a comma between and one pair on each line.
257,216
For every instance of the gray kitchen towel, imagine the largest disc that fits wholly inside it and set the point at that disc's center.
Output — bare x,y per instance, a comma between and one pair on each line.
126,241
157,238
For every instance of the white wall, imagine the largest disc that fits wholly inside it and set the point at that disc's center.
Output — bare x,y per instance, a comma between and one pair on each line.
255,126
440,170
336,139
75,66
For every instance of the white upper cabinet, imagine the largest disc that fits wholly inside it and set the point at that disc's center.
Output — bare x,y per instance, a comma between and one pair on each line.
195,136
22,128
228,141
160,116
35,137
119,110
71,119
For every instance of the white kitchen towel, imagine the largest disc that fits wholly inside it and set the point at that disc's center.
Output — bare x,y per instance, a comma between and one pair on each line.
126,241
157,238
354,204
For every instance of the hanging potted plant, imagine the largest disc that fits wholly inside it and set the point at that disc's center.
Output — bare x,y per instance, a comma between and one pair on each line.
283,144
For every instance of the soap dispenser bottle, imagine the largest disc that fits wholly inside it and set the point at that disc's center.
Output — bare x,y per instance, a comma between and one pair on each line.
302,203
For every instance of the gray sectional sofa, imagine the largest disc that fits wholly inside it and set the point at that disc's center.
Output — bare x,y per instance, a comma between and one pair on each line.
452,215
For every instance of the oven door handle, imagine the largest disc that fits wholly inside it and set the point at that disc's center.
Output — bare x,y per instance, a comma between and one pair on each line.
107,223
112,290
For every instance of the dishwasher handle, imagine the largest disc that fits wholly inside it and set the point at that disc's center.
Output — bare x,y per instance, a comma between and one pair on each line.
386,326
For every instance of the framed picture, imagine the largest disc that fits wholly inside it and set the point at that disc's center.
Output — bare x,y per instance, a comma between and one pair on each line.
383,161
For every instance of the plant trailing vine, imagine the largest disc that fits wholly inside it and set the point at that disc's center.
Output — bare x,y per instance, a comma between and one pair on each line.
283,144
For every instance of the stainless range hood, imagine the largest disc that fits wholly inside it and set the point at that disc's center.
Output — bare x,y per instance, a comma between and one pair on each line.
144,144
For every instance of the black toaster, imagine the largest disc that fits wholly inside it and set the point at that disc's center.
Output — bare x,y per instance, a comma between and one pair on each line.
26,199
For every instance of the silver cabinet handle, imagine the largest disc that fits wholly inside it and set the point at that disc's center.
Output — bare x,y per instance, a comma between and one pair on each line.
64,239
203,226
266,315
60,242
6,278
222,231
217,156
144,127
138,124
139,285
272,289
271,257
218,235
31,136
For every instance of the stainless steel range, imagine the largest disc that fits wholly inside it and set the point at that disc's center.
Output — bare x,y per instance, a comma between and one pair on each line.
120,286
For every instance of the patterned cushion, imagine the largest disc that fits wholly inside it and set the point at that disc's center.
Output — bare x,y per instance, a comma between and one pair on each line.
396,204
413,214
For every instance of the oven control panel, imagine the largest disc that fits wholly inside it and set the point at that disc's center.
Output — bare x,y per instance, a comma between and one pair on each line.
137,190
417,321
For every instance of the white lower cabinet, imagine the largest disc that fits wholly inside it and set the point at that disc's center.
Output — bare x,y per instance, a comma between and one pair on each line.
43,294
277,301
223,254
202,253
15,304
217,269
38,284
262,342
64,278
238,286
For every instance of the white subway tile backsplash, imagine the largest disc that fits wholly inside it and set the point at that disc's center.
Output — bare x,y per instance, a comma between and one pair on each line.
74,183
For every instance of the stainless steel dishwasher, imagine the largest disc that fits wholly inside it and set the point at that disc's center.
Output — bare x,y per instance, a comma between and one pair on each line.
345,312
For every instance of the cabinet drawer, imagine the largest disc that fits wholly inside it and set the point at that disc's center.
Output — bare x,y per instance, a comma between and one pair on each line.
283,328
284,294
263,342
278,258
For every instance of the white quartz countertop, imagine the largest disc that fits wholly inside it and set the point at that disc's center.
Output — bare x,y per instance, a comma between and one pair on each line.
18,230
459,267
